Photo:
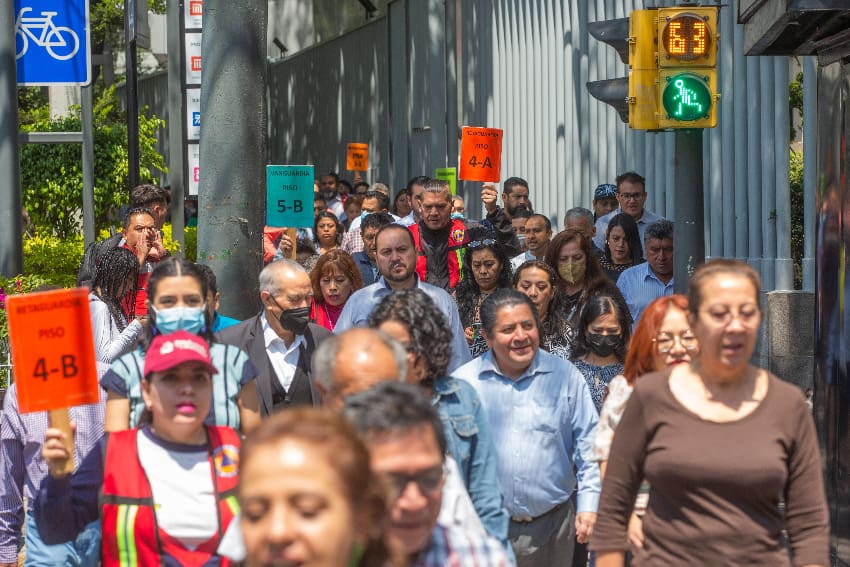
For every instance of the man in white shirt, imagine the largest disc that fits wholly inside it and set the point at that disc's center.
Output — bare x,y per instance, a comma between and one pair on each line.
280,340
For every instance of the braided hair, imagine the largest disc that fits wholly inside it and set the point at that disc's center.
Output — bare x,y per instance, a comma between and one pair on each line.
114,283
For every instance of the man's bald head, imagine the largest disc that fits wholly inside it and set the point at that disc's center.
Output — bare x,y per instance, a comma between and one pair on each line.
354,361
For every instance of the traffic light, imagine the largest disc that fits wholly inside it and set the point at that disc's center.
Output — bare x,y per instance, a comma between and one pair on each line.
635,97
687,67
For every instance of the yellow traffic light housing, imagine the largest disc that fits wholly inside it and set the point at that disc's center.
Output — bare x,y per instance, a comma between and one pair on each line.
643,77
686,93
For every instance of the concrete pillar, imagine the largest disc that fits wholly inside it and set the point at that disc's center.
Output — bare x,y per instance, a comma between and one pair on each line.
234,116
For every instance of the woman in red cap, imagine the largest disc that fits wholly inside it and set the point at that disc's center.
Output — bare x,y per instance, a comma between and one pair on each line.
167,489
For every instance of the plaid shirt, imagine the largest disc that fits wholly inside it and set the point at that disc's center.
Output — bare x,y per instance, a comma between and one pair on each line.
23,468
451,547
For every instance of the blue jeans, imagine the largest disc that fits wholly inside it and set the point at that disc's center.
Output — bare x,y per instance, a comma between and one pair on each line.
82,552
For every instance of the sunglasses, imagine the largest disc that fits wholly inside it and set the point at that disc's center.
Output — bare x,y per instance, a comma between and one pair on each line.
481,243
427,482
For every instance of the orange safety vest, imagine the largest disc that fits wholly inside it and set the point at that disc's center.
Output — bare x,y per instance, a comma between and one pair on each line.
457,242
131,536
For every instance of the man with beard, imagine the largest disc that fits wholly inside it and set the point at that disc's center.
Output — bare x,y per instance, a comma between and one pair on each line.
280,340
329,189
440,240
396,258
515,196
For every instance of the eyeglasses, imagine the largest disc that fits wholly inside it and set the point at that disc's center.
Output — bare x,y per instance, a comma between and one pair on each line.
748,316
427,481
631,196
481,243
665,341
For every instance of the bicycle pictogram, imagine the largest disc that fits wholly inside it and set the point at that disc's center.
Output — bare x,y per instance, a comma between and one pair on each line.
61,42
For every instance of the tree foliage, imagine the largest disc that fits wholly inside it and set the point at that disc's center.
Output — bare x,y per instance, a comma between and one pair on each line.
51,174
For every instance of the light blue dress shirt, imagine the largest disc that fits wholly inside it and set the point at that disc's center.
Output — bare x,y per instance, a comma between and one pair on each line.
363,301
543,423
640,287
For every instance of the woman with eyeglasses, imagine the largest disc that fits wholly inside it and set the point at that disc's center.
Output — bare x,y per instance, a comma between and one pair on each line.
600,346
485,268
622,246
723,444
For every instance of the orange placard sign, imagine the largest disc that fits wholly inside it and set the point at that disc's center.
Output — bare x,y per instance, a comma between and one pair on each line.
480,154
50,336
357,158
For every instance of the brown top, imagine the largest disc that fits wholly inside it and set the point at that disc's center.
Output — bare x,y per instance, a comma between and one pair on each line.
716,486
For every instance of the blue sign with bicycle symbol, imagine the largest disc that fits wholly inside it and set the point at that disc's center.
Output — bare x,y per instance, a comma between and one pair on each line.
52,45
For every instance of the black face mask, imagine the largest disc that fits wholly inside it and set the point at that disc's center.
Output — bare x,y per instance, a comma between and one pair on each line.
603,345
295,320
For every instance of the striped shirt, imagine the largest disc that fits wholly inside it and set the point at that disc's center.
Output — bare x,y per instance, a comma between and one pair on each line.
452,547
640,287
544,420
22,436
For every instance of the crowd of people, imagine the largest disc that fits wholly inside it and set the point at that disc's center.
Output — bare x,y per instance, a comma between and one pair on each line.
422,389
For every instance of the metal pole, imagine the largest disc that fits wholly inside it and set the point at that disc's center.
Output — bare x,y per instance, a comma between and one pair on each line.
11,221
132,99
176,146
89,229
231,197
689,231
810,172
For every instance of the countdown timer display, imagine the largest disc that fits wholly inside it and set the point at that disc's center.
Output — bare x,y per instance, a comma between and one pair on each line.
686,37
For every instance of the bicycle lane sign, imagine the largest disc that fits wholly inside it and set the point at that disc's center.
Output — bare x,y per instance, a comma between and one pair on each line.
52,42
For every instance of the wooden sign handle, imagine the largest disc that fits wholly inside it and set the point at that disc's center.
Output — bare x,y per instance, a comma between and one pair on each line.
293,236
61,419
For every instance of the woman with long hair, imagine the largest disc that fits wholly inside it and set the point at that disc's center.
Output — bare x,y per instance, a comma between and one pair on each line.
539,282
723,444
327,230
484,268
332,511
114,281
600,346
622,246
163,491
335,277
579,275
177,290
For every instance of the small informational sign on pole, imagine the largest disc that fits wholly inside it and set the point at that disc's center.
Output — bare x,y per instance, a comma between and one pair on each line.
289,195
480,154
357,157
193,57
449,175
52,42
50,336
193,114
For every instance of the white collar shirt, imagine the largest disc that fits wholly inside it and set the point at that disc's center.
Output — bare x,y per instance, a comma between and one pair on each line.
284,359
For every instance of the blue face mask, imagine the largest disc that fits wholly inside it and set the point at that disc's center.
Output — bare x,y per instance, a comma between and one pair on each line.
189,319
364,214
458,216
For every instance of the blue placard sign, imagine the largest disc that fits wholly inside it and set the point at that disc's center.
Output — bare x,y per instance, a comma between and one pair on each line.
52,43
289,195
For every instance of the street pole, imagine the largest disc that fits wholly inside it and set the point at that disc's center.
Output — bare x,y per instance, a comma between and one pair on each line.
11,221
234,116
87,127
176,148
688,207
130,90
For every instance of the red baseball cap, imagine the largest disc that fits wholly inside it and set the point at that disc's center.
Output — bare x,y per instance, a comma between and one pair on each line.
168,351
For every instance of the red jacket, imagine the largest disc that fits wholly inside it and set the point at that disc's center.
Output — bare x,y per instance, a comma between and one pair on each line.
457,242
130,532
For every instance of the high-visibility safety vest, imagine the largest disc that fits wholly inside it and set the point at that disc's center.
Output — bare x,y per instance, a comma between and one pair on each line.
457,241
131,536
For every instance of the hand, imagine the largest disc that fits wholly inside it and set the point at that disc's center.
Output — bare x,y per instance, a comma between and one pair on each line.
157,250
357,178
15,564
489,196
54,452
635,531
470,334
285,245
584,526
143,247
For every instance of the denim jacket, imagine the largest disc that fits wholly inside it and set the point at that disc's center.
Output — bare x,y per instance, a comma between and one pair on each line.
470,444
